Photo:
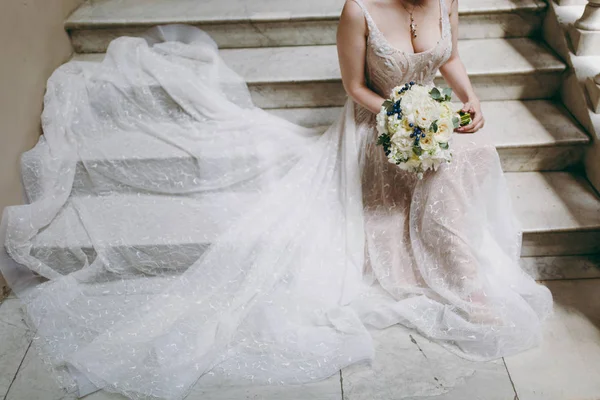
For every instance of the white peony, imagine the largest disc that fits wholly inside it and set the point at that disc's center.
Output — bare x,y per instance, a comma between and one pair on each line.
424,108
403,142
426,114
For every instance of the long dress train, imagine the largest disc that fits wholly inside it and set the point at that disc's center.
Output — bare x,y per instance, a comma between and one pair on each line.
310,237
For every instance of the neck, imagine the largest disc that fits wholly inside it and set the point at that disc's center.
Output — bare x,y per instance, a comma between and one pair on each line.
413,3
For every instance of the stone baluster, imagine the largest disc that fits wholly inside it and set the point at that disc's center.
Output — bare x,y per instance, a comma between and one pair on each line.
571,2
593,88
585,32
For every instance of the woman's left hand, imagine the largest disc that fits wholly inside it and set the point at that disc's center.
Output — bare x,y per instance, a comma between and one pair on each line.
477,120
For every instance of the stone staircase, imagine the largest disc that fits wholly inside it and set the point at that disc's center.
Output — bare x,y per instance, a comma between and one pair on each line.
285,50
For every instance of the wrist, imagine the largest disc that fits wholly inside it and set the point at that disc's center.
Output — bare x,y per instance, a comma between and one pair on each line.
472,99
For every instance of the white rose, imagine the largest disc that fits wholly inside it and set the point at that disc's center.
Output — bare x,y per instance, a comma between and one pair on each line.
428,144
444,132
446,111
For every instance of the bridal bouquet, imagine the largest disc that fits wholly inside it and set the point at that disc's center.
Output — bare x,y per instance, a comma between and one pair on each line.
415,126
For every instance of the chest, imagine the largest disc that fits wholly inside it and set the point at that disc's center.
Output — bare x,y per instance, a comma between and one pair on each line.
394,21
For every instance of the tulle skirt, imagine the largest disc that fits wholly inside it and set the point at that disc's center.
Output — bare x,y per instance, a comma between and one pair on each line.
310,238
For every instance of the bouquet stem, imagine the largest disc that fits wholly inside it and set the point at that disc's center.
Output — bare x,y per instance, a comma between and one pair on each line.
465,118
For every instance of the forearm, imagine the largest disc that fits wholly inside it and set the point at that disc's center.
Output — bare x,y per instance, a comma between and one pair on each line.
366,98
455,74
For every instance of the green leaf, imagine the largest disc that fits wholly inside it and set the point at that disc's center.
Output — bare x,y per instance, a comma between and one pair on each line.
417,150
442,95
383,139
434,127
447,94
435,94
388,104
456,122
386,141
444,146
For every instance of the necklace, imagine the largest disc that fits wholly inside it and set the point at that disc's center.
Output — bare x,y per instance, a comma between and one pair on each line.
413,26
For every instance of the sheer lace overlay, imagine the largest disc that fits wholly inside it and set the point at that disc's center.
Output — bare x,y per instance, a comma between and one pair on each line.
204,238
441,247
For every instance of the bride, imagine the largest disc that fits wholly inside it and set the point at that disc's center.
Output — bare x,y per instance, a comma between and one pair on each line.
310,238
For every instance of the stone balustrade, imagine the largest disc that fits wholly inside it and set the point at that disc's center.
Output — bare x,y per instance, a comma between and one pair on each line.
570,2
593,88
585,32
585,38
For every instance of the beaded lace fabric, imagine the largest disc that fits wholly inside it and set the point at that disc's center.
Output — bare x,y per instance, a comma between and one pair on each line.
177,236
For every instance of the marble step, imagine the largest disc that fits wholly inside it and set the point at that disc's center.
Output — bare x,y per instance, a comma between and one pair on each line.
559,213
309,76
270,23
535,135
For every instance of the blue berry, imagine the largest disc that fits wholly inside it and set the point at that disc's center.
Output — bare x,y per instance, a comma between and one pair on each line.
422,135
411,125
412,83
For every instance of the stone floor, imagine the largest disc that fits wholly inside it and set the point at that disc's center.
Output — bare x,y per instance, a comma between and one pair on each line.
565,367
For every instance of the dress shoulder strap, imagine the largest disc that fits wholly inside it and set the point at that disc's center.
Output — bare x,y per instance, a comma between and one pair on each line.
361,5
370,22
445,17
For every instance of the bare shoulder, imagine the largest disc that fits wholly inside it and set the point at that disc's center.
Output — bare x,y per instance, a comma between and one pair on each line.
451,5
352,11
353,16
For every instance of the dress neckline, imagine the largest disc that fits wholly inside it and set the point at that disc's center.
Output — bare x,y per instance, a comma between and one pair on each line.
374,28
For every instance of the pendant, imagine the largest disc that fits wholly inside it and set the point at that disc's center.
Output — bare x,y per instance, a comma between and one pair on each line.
413,27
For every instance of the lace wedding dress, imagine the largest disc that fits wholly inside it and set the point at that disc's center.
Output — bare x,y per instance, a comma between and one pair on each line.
312,237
